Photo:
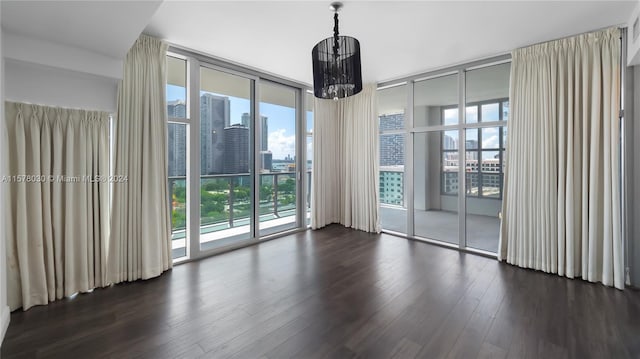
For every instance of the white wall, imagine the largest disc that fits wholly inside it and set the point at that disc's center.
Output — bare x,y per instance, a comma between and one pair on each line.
29,49
47,73
633,45
53,74
45,85
4,309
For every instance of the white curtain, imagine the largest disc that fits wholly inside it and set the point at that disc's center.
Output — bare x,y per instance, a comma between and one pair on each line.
561,197
140,245
345,162
58,200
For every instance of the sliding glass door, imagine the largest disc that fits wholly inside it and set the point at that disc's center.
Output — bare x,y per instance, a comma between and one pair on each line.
435,159
225,158
233,150
177,148
277,143
487,98
455,137
391,120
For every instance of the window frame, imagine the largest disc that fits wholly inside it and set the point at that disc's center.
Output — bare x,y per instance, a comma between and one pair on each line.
500,124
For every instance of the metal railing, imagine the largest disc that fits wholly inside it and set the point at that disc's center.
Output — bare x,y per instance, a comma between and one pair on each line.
225,199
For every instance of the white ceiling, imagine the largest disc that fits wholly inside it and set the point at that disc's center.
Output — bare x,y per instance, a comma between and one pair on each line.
396,38
105,27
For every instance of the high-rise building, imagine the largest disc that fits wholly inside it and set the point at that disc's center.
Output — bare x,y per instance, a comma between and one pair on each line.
214,118
177,148
236,149
176,109
264,143
449,143
246,121
266,161
391,145
392,185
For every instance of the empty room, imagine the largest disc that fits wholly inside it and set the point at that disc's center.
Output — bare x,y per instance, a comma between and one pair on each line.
317,179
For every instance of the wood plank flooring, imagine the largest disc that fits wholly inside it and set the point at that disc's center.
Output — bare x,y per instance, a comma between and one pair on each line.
337,293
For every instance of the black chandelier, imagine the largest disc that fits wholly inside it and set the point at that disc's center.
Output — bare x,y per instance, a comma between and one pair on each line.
336,64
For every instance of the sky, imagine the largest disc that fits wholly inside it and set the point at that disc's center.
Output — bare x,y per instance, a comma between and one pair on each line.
490,135
281,121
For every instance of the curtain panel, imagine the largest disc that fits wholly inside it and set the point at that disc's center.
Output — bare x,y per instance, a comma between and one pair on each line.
140,244
561,208
58,200
345,162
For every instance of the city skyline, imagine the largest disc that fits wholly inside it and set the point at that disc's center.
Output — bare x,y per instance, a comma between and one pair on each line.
281,123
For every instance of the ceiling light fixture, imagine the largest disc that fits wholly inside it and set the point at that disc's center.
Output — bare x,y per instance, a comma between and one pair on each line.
337,71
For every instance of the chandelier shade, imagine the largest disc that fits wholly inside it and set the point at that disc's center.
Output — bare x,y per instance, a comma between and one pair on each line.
339,75
337,72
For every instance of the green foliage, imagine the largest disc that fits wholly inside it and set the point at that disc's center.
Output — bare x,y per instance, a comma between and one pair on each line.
242,193
212,202
289,186
266,193
213,185
178,219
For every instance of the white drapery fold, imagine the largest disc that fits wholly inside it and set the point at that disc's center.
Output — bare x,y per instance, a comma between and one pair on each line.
561,207
140,245
345,162
58,200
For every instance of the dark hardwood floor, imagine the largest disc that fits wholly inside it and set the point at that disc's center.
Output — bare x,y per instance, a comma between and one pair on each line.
337,293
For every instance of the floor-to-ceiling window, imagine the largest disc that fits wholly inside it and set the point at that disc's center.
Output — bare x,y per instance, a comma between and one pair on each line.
391,116
455,135
277,142
225,158
178,144
487,108
308,104
233,150
435,158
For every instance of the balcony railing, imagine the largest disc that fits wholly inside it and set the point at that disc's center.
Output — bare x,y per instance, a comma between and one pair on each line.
225,200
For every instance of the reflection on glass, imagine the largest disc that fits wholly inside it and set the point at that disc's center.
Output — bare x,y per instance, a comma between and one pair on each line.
392,169
435,101
472,184
504,137
391,109
491,185
491,112
436,185
490,138
177,151
472,114
176,87
471,140
309,174
487,91
309,166
451,116
225,181
505,110
278,182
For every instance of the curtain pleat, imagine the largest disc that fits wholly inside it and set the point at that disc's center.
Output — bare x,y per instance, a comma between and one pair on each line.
140,246
50,251
345,162
561,207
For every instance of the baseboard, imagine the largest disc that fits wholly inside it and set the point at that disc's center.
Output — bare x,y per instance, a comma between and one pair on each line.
5,315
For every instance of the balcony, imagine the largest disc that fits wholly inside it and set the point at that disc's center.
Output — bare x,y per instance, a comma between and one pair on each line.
436,211
225,207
